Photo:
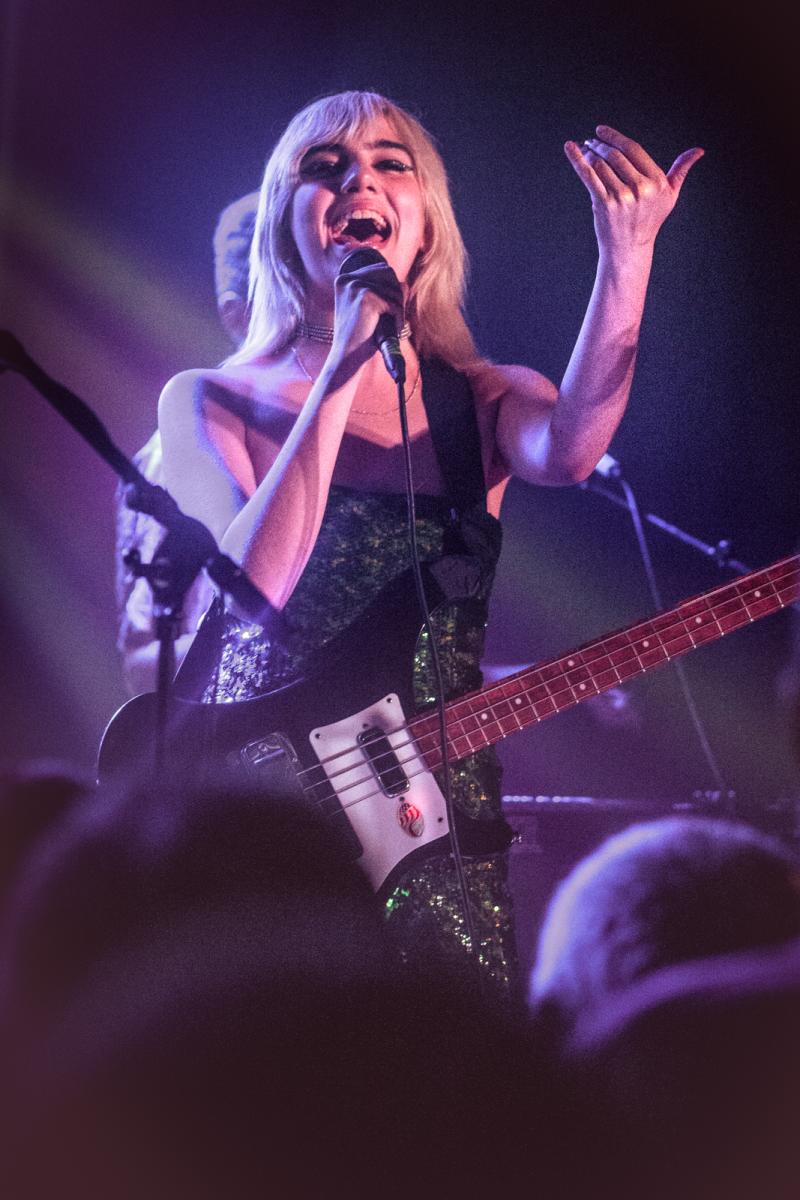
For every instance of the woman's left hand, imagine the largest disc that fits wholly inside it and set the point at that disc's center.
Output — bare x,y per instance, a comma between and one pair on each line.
631,195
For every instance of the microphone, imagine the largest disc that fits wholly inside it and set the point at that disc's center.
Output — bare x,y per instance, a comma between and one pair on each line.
386,339
385,336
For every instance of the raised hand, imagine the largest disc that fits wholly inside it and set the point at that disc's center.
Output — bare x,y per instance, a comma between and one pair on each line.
631,195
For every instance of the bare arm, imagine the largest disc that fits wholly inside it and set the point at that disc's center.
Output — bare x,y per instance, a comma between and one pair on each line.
553,437
270,525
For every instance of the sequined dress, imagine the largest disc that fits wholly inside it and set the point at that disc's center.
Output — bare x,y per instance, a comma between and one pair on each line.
363,548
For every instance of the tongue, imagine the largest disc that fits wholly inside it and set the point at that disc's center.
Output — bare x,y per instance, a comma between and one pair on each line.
352,243
362,229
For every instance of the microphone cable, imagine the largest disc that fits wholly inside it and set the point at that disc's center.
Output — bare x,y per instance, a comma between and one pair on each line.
458,859
387,341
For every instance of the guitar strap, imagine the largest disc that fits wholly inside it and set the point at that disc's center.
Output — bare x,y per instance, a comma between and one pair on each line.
471,549
450,409
472,538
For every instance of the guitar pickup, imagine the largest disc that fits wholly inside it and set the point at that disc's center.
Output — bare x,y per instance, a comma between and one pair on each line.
384,762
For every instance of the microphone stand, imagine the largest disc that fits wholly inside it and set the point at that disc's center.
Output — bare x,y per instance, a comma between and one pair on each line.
721,552
609,468
187,547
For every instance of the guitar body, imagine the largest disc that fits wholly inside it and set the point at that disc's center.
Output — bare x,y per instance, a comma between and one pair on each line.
338,738
345,737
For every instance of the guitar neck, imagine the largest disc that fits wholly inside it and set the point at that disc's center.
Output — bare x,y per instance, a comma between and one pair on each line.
485,717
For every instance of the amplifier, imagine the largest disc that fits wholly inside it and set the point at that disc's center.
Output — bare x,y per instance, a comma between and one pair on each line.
576,817
705,801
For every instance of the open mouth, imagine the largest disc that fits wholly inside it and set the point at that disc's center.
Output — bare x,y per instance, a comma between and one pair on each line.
361,229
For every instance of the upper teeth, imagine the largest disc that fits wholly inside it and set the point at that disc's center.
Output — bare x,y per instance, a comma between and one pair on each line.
362,214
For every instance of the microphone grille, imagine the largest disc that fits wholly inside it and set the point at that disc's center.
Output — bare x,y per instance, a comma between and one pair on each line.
362,256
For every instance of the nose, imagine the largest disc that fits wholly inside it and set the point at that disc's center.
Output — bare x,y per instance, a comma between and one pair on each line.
358,177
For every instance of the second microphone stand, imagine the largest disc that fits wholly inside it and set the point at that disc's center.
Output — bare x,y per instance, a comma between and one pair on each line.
187,548
720,553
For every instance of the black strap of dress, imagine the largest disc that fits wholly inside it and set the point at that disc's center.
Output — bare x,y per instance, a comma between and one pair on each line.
450,409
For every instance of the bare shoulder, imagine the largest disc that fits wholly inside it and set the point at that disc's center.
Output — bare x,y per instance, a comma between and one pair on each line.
242,392
198,385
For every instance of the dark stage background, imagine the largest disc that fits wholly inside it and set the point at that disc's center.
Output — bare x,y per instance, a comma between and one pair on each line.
127,127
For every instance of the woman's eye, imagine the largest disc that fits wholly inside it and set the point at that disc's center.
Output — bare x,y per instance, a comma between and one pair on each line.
320,167
394,164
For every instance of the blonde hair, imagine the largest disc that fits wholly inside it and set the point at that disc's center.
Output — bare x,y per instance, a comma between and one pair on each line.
437,281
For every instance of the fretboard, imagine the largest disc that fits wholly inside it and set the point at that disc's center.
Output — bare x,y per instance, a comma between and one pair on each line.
486,716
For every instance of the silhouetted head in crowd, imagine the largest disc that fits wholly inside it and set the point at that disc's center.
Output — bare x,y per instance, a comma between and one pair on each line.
684,1084
129,864
33,798
201,1002
661,892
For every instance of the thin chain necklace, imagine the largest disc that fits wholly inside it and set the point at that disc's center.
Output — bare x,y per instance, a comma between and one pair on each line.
362,412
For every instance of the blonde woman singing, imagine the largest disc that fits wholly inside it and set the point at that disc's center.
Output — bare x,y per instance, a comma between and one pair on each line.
291,451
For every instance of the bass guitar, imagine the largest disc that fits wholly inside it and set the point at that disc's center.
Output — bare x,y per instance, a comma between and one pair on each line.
347,736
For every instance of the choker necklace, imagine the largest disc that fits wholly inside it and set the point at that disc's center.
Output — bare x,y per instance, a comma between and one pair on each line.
324,333
362,412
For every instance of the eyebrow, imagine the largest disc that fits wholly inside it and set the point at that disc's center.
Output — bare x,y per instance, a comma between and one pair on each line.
337,147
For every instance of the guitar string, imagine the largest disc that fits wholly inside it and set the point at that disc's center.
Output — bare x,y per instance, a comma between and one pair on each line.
344,805
495,693
662,637
328,778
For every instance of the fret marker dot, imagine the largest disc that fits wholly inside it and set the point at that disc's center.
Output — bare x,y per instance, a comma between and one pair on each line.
518,700
484,716
645,644
698,620
570,662
582,687
757,595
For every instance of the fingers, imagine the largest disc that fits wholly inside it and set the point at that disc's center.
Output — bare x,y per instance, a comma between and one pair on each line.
584,170
623,166
642,161
619,179
612,166
362,296
379,279
626,149
682,166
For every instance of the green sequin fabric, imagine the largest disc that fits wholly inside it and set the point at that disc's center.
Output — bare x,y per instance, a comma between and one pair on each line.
426,917
362,547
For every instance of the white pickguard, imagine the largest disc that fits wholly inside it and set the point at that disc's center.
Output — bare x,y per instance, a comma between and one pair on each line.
374,816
